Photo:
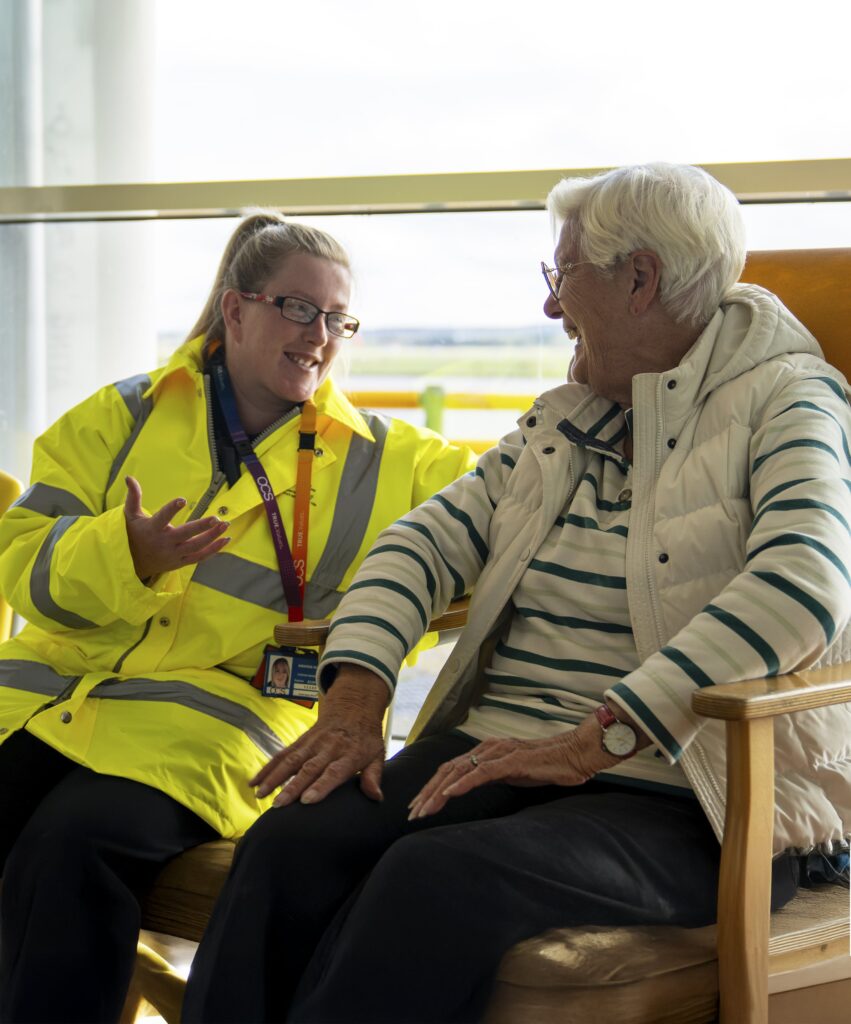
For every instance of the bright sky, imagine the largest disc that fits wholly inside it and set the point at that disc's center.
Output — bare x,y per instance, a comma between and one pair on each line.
284,88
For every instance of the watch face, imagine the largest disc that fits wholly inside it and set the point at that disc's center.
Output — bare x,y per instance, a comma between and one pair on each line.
619,739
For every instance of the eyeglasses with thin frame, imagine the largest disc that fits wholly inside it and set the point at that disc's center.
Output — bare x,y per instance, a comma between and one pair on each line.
554,276
300,311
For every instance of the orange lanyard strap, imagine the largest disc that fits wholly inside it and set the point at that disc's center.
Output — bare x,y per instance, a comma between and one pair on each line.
293,565
301,515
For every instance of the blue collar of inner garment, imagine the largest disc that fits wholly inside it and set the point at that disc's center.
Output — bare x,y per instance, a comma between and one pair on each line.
616,424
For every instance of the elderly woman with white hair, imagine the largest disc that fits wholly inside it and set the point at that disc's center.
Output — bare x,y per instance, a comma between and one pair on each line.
675,515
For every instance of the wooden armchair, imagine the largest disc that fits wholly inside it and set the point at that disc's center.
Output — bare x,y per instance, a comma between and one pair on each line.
662,974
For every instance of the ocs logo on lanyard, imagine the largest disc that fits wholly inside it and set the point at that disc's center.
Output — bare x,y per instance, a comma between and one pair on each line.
290,673
265,488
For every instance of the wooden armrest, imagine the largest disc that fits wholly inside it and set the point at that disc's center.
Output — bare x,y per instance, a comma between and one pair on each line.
766,698
315,633
744,889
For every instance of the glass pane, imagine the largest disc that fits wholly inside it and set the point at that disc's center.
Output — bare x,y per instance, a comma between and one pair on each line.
446,300
493,85
79,312
182,90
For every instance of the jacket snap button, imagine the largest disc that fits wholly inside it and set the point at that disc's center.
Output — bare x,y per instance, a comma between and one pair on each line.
165,621
663,558
65,717
672,442
549,450
625,494
531,421
222,510
671,385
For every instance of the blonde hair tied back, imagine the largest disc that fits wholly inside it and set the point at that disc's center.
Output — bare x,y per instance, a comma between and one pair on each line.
261,241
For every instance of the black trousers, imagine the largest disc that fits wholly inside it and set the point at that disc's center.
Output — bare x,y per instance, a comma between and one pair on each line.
343,911
77,852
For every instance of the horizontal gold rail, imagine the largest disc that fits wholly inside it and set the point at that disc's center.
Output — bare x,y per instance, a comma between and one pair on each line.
433,400
414,400
767,181
385,399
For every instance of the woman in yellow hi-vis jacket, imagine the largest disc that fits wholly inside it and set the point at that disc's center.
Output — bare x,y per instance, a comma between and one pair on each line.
173,520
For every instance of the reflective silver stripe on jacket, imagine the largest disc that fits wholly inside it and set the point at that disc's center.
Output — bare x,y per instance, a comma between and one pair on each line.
131,390
173,691
40,579
237,577
33,677
355,500
248,581
52,501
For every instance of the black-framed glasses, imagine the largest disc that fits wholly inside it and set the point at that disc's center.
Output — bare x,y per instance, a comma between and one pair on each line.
300,311
554,276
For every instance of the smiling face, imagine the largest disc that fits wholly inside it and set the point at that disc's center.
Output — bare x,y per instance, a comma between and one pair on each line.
594,307
274,362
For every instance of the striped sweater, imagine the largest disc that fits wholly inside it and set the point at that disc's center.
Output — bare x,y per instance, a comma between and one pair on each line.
736,560
570,635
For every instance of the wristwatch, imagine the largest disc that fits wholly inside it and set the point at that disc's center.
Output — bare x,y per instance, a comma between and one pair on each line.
619,739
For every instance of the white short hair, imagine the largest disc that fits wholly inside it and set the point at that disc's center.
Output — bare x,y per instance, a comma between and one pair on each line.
690,220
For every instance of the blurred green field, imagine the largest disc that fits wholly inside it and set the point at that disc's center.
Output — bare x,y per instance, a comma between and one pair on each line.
444,361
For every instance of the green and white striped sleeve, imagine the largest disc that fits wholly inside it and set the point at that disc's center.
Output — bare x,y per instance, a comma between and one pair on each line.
431,556
793,596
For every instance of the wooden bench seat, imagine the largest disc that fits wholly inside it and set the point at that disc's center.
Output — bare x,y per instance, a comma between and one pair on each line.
183,897
662,974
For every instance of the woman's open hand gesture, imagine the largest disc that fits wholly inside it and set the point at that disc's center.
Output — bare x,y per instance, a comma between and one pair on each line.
157,546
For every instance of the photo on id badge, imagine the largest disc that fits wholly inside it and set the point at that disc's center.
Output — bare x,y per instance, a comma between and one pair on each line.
290,672
278,678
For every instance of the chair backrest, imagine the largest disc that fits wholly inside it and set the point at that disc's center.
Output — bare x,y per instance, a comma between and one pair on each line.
815,284
10,488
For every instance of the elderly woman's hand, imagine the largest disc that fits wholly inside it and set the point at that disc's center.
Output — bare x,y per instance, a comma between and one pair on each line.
347,739
568,759
156,546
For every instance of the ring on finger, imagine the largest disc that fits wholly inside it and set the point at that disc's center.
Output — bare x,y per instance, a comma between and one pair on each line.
474,761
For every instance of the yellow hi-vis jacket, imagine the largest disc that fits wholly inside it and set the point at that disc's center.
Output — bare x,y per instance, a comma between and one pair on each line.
152,682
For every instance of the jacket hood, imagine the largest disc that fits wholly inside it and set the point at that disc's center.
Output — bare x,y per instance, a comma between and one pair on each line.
750,327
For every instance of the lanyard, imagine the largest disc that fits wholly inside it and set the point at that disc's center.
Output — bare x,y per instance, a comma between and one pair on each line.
292,565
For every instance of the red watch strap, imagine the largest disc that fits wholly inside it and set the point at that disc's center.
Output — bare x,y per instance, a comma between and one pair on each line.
604,716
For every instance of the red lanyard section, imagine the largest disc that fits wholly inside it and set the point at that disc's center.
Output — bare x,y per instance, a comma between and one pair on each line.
292,565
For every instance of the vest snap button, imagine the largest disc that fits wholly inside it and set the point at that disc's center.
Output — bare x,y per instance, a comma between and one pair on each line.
531,421
671,385
164,621
548,450
222,510
625,494
663,558
672,442
65,717
3,730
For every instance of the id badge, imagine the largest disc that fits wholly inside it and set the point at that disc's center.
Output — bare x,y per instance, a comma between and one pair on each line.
290,672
